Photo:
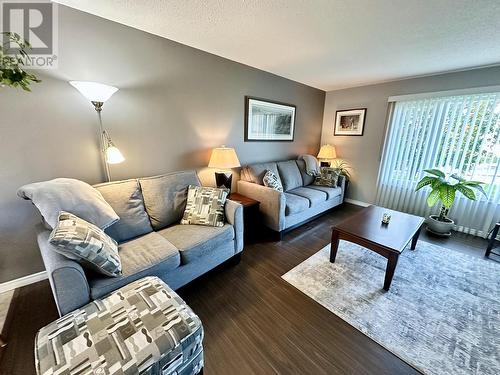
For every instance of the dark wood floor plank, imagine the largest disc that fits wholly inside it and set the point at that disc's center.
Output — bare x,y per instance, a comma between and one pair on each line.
254,321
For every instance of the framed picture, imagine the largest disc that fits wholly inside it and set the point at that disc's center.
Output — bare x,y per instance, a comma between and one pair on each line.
350,122
266,120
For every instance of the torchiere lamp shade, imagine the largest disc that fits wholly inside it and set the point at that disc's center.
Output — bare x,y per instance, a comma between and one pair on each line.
224,158
94,91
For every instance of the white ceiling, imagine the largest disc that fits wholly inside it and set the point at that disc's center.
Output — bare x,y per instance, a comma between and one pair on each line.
328,44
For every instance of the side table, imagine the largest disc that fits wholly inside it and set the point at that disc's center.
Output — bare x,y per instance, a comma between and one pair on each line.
251,213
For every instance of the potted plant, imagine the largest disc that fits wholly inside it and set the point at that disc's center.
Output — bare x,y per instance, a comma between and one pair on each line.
344,168
12,73
443,191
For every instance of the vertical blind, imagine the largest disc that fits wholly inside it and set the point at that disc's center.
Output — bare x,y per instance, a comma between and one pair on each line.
457,134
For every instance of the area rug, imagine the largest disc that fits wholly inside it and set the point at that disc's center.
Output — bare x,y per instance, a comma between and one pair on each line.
441,314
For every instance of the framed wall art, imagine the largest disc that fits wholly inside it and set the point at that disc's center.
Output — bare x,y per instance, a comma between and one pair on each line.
350,122
267,120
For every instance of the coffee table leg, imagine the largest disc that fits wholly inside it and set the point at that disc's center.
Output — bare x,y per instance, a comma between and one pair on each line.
415,238
334,246
392,262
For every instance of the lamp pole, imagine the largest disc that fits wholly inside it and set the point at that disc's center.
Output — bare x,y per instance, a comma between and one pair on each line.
102,139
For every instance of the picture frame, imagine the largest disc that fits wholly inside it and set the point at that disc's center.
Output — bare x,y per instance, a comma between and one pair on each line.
269,121
350,122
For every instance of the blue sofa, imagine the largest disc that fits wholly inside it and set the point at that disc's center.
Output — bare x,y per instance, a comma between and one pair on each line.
151,240
300,201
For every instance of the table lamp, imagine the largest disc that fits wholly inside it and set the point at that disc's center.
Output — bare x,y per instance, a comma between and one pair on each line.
98,93
224,158
327,152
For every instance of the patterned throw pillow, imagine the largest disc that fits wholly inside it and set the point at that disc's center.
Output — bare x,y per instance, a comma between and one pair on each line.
205,206
272,181
79,240
328,177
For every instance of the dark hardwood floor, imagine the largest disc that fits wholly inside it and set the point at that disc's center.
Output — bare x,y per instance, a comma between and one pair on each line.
255,323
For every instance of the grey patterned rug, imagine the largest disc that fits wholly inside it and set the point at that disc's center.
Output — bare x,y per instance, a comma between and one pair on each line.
441,315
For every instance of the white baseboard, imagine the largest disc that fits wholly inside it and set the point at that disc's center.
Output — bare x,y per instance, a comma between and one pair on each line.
357,203
22,281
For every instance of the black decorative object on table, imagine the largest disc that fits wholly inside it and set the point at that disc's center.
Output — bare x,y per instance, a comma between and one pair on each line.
223,180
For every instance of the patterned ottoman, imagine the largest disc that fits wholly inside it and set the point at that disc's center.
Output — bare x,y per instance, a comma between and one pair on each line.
142,328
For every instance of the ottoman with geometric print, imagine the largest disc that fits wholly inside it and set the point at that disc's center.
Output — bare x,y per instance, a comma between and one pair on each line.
142,328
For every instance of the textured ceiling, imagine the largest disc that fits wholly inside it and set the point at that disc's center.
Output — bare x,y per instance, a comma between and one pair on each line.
329,44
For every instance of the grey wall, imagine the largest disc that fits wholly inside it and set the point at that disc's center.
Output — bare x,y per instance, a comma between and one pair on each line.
364,152
175,103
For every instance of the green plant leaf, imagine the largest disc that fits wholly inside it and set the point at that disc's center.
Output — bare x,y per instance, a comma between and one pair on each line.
480,189
433,198
468,192
437,182
446,194
457,177
426,180
435,172
473,183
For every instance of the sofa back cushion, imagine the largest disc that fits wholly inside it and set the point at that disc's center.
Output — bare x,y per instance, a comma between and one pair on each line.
307,179
126,199
255,172
165,196
290,175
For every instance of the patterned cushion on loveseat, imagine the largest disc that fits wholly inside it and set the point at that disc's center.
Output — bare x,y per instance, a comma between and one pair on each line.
142,328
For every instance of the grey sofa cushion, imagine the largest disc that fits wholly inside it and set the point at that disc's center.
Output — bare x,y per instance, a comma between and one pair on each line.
255,172
295,204
314,196
148,255
126,199
331,192
307,180
195,241
290,174
70,195
165,196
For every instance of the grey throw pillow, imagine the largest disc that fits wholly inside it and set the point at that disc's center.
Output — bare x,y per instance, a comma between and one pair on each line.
205,206
82,241
70,195
271,180
328,177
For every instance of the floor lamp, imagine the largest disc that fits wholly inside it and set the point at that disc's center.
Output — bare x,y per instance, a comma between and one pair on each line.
98,93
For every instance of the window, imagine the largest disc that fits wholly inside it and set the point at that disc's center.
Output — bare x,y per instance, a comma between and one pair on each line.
458,134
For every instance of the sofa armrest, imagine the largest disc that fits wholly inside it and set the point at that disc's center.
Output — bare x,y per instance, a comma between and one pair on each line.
272,203
341,184
67,278
234,216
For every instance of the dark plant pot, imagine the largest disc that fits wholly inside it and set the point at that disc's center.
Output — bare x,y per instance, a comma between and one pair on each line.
346,187
440,228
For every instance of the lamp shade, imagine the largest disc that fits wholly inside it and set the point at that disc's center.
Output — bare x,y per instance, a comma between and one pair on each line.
224,158
327,152
93,91
113,155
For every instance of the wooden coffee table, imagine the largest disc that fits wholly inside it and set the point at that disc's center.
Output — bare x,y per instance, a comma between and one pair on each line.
366,229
